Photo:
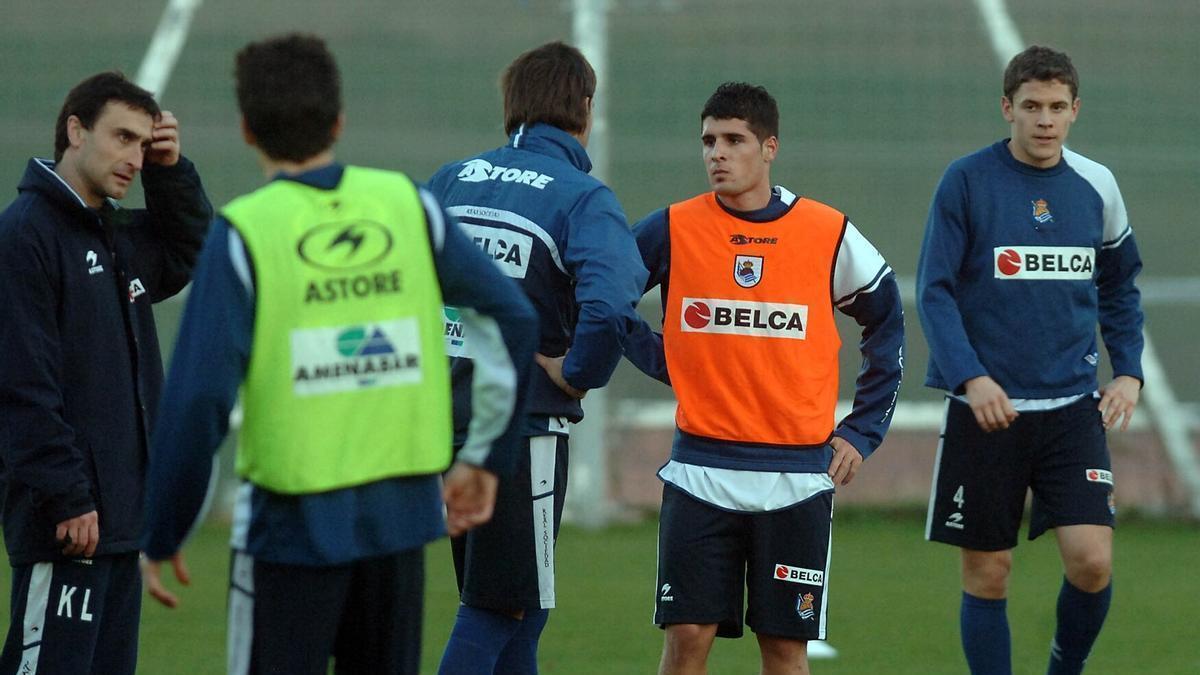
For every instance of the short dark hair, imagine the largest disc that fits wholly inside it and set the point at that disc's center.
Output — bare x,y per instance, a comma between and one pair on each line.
88,99
1042,64
738,100
548,84
290,94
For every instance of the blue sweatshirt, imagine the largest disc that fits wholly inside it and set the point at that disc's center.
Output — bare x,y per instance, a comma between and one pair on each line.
1018,266
562,236
863,287
208,367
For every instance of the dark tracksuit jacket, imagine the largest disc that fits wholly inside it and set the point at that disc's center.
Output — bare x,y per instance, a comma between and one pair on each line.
80,367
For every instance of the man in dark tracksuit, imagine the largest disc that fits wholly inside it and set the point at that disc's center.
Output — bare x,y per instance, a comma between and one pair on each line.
81,372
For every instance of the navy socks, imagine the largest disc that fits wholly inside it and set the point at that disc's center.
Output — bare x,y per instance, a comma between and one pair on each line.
520,655
484,642
1080,617
475,644
985,637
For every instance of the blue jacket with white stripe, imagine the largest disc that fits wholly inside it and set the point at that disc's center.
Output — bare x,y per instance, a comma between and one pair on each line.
561,234
1018,266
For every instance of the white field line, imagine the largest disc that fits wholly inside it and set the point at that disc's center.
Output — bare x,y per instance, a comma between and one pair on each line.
153,75
1002,31
165,46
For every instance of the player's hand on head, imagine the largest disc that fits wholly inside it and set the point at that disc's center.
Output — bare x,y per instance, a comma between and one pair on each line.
152,579
1118,400
79,535
993,410
553,366
470,495
846,461
164,141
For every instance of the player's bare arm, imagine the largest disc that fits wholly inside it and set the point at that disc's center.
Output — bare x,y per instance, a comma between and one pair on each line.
1118,400
846,461
988,400
152,579
164,141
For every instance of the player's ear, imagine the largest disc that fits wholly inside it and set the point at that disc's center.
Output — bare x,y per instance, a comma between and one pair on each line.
75,130
338,126
1006,109
770,148
247,135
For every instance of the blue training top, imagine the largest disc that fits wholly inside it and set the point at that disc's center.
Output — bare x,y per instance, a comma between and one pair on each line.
562,236
1018,265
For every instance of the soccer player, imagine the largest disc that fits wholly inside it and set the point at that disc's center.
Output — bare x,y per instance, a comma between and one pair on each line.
320,295
531,206
80,370
1026,248
750,276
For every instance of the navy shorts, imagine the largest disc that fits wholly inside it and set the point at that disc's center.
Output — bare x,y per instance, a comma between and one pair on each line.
507,564
293,619
708,558
980,479
74,616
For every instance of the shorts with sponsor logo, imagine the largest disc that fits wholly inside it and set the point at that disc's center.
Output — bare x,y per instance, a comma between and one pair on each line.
507,564
981,479
710,561
74,616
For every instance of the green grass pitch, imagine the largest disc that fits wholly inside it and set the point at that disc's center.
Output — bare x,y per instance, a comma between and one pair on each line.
894,604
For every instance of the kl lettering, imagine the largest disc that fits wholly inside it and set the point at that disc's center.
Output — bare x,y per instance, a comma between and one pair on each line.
66,598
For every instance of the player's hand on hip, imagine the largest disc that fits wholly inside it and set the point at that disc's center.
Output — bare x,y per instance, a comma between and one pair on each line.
164,141
553,366
152,579
1118,400
79,535
470,495
993,411
846,461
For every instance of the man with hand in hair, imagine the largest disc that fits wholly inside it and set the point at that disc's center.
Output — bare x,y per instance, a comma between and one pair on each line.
81,372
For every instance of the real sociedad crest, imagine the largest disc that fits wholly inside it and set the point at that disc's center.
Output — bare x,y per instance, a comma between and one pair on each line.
1041,211
747,270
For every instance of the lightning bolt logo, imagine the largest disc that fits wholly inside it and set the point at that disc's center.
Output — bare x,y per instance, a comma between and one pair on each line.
350,236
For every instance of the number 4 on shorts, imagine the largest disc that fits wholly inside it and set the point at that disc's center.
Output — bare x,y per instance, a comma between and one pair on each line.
958,497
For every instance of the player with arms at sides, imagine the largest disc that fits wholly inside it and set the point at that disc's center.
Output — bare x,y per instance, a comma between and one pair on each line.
320,296
1026,249
81,371
562,236
750,277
